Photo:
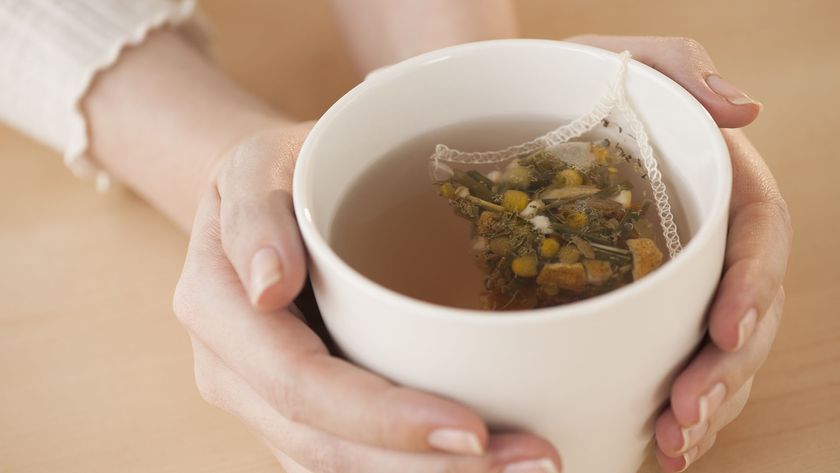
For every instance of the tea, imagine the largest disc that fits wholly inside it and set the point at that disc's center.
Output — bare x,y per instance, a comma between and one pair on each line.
394,228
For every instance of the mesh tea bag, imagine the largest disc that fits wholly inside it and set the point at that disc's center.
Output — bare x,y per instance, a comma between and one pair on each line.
574,213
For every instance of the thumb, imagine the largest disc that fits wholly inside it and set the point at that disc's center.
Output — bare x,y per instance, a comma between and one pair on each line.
687,63
258,230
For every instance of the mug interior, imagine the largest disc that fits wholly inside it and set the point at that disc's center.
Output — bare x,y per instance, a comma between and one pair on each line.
498,79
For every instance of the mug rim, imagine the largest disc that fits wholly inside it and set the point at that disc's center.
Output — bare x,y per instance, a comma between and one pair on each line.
316,243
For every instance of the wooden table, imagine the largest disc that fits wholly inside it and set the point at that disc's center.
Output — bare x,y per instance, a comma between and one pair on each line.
96,375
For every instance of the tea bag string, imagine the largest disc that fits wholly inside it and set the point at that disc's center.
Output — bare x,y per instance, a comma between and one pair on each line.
576,128
651,165
615,99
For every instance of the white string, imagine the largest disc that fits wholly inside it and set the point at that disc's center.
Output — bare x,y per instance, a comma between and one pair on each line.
614,100
576,128
660,193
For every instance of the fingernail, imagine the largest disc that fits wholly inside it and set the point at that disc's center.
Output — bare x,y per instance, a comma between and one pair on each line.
746,327
688,457
692,435
728,91
265,272
546,465
710,401
455,441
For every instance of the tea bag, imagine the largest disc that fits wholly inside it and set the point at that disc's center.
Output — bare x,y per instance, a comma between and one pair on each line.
563,217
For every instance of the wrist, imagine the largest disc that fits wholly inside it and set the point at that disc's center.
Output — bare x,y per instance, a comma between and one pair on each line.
161,118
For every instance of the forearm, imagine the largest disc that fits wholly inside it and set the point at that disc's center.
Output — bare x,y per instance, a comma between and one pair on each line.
162,117
382,32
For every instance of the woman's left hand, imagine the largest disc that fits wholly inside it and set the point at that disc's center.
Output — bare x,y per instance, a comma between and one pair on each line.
714,387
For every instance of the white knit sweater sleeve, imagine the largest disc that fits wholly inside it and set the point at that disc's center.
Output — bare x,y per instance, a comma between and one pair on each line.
50,52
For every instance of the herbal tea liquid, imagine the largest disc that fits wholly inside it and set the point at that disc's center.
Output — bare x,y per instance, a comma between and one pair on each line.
394,228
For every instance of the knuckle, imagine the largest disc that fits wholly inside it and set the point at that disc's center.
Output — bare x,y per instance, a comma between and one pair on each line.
771,220
288,399
384,426
183,304
775,208
777,308
783,212
330,460
768,201
687,44
207,386
227,170
781,296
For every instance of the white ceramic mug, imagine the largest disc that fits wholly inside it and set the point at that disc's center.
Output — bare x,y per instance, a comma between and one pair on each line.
590,376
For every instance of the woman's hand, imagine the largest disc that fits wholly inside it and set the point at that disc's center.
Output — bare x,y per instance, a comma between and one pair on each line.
714,387
256,357
167,123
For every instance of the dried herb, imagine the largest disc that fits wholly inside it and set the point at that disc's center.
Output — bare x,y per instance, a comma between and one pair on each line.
548,233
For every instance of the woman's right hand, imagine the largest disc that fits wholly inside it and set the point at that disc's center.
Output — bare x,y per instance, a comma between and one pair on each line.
256,357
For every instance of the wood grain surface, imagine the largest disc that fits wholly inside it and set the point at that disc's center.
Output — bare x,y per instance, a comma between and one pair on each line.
96,374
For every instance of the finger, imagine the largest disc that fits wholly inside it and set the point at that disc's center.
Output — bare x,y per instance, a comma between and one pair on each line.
686,62
714,375
304,449
698,451
670,464
288,365
758,246
683,462
259,231
508,453
288,464
732,408
674,440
